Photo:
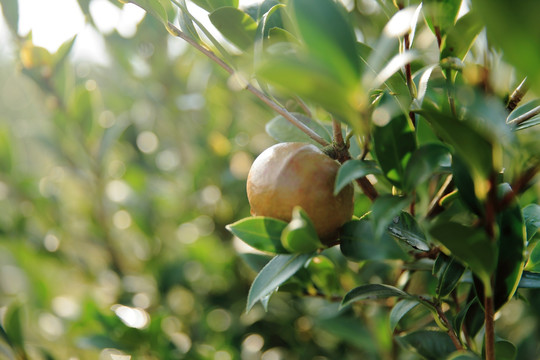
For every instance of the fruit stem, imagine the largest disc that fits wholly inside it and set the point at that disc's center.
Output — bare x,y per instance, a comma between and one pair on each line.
258,93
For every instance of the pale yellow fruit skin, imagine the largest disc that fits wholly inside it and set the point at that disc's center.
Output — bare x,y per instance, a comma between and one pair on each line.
297,174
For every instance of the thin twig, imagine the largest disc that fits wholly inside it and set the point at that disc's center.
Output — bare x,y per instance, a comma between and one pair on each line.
527,116
450,330
435,207
517,95
274,106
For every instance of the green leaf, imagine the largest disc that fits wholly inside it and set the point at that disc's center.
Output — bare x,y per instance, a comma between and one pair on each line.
533,264
520,110
10,9
372,292
304,77
393,145
470,145
358,243
511,243
470,245
261,233
385,208
442,14
352,170
449,272
263,28
13,328
256,261
529,280
276,272
324,275
283,130
405,228
424,162
212,5
431,345
465,184
463,355
400,310
461,37
158,9
329,37
505,350
300,236
235,25
186,23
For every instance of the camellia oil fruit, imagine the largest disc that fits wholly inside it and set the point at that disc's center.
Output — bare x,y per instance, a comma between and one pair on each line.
296,174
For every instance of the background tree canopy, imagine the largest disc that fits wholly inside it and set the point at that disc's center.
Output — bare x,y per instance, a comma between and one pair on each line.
118,180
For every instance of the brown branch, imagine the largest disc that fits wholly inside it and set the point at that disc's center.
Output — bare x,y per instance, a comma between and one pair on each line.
490,328
450,330
274,106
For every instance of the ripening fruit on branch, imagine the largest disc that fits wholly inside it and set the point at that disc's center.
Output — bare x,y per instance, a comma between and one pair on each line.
297,174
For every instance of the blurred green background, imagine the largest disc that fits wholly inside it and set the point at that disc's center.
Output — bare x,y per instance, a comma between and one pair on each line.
117,178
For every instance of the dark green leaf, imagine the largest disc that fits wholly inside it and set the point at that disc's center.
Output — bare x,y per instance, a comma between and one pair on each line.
400,310
276,272
432,345
459,320
235,25
461,37
405,228
424,162
449,273
470,245
465,184
261,233
300,236
352,170
505,350
393,145
511,242
359,243
372,292
330,39
283,130
384,210
468,143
